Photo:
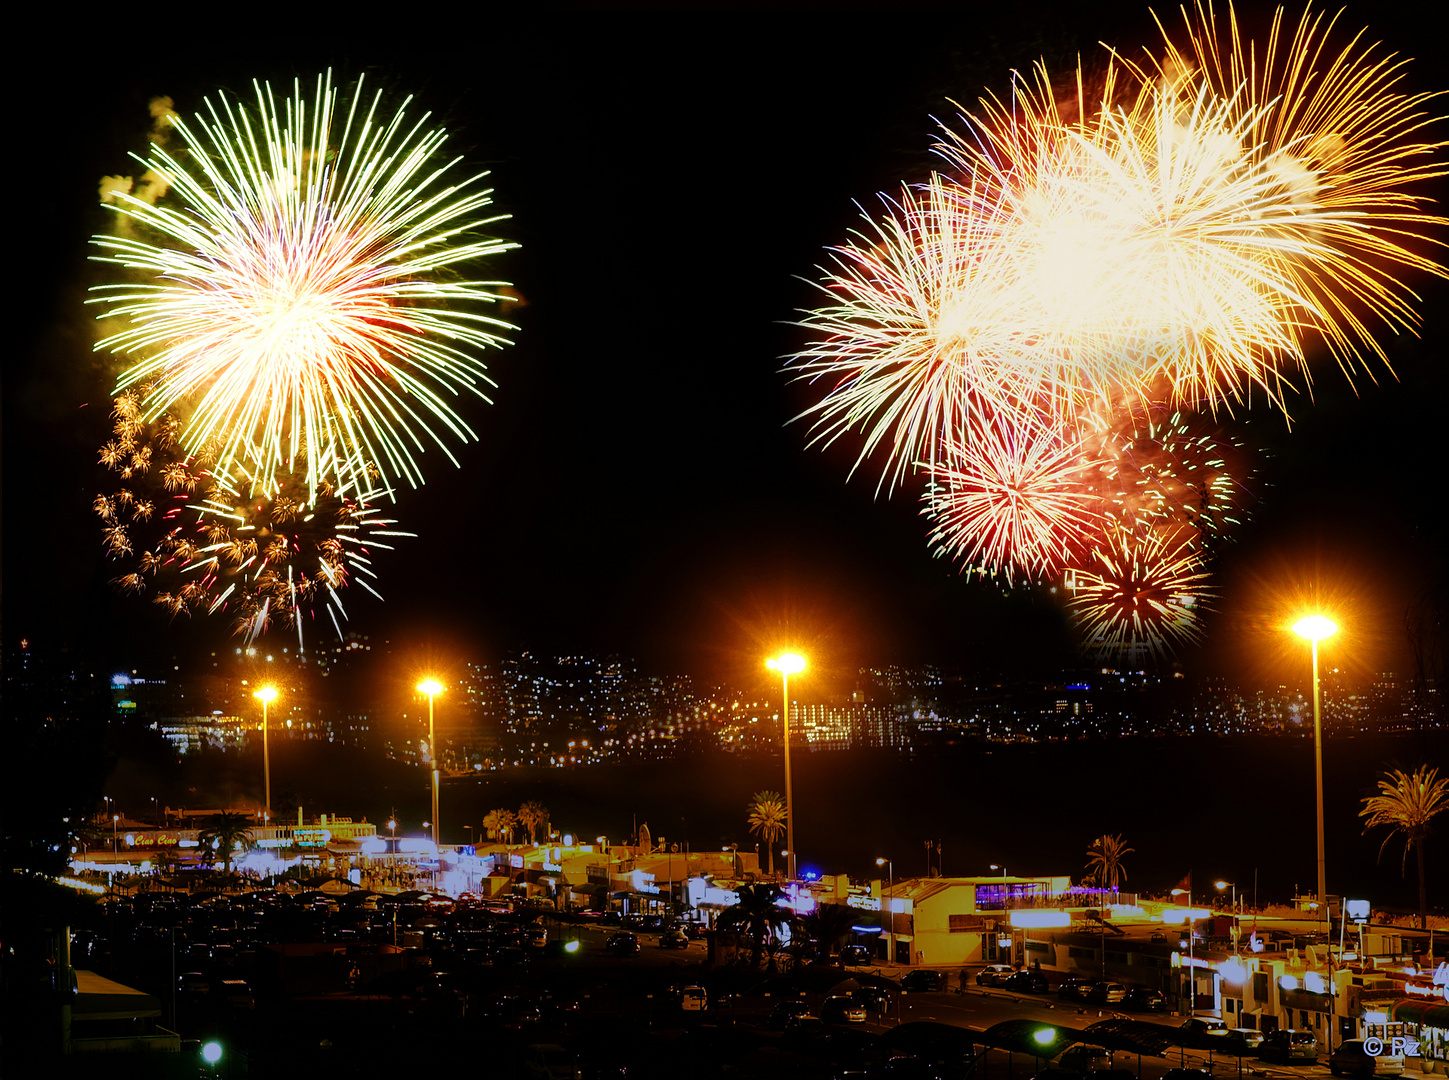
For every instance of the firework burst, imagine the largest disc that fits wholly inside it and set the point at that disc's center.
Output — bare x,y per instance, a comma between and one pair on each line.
1032,326
1140,593
1013,499
197,543
303,305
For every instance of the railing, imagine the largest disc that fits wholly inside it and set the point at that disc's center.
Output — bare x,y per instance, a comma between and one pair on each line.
163,1042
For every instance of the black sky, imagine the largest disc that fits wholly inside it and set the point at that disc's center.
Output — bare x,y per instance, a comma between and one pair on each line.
638,486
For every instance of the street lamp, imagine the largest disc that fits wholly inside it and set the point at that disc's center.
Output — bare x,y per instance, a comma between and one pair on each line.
1220,886
1315,628
1191,968
268,694
787,664
432,687
890,916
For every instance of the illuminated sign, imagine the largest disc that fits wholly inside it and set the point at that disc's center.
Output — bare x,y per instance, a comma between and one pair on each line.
1421,990
311,837
1357,910
1038,919
865,903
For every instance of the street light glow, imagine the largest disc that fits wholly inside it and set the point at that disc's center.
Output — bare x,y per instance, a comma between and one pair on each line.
268,694
430,687
1315,627
1044,1035
786,663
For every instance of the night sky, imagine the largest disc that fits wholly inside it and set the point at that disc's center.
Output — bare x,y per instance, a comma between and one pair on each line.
638,486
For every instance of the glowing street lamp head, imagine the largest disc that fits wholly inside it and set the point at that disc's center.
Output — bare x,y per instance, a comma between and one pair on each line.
1315,627
786,663
268,694
430,687
1045,1036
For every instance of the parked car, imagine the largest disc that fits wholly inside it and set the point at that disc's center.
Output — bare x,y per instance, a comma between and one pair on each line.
193,983
921,980
549,1061
1352,1058
622,943
674,938
994,974
535,936
842,1009
1025,981
1085,1059
1206,1025
236,993
1143,999
876,999
693,999
1073,988
1106,993
1286,1044
855,954
786,1010
806,1029
1244,1042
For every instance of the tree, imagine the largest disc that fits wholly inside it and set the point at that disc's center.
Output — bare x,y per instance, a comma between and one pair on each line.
223,833
827,926
533,815
500,824
1104,861
758,915
1404,805
767,820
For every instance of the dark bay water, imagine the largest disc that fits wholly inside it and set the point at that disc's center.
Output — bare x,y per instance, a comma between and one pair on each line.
1222,808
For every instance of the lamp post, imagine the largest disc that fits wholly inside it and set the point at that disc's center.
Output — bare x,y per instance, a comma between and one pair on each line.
1220,886
268,694
1315,628
787,664
890,916
1005,918
1191,969
431,687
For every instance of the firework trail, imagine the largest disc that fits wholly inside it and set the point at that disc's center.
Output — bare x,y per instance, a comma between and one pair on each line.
301,301
1032,327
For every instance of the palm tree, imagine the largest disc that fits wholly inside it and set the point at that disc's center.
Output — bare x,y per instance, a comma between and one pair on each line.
1405,804
499,823
767,820
1104,861
827,926
223,833
758,915
533,815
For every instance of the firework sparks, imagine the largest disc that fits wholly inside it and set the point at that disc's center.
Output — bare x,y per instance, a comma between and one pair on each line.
202,544
1014,499
303,307
1141,592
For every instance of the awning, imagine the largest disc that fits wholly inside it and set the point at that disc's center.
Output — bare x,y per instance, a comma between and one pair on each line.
99,998
1415,1011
